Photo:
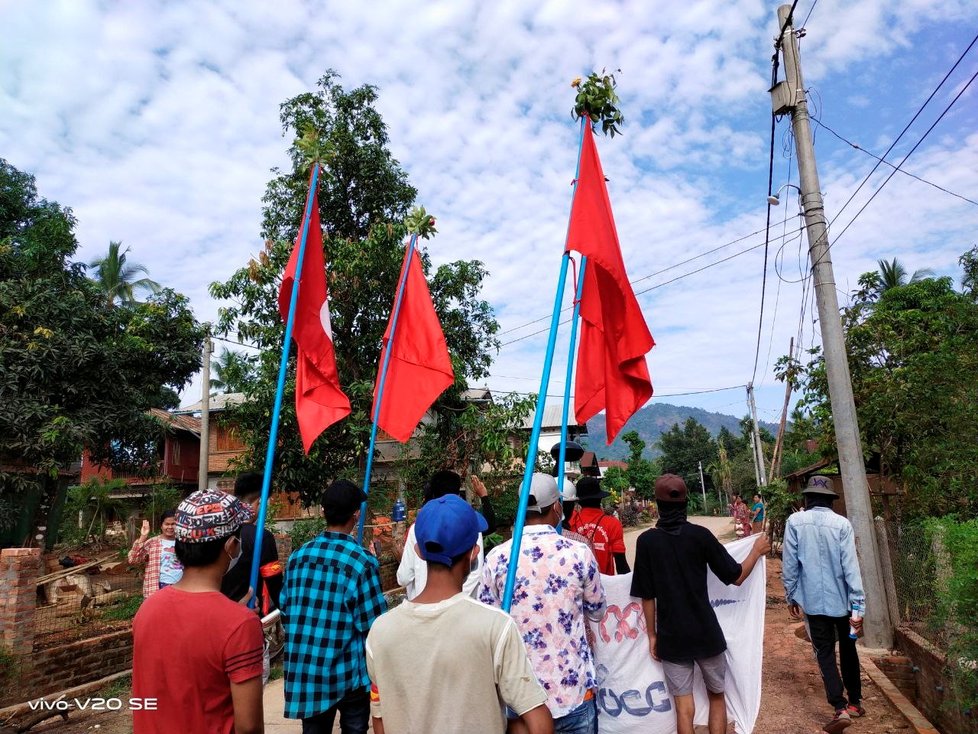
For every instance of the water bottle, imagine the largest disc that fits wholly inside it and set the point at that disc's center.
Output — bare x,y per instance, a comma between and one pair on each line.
858,609
399,511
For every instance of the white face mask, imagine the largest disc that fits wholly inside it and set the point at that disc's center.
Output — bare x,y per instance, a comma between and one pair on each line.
234,559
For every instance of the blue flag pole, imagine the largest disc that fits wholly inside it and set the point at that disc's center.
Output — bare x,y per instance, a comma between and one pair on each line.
401,286
531,453
283,367
570,375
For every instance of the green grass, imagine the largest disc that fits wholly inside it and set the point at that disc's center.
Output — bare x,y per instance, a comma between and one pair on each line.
124,609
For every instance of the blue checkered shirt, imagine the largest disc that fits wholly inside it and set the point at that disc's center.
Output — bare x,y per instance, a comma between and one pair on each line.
330,598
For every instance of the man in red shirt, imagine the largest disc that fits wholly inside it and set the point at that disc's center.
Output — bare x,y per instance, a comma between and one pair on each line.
197,655
602,531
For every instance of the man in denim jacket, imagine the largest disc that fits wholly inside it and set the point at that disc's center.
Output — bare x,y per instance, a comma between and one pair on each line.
822,581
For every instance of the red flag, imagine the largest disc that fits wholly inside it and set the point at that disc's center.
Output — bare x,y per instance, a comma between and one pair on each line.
611,369
420,368
319,400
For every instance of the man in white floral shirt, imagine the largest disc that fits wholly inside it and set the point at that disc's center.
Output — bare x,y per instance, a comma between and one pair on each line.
557,584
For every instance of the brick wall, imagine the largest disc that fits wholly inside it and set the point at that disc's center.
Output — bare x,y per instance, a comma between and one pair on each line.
900,670
19,570
55,669
934,697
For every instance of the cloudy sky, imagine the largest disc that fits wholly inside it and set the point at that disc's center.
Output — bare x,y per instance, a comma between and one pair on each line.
157,122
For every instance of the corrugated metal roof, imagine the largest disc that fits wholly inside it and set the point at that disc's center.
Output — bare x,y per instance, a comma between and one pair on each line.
217,402
178,421
552,418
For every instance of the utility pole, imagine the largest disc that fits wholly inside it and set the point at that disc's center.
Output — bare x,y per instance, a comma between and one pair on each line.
789,96
205,408
779,442
703,487
758,446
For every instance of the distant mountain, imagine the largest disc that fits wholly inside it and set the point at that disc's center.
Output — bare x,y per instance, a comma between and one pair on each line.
651,422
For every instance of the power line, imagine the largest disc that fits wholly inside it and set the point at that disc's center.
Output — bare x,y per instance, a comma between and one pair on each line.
883,160
647,290
810,11
897,139
895,170
644,277
704,391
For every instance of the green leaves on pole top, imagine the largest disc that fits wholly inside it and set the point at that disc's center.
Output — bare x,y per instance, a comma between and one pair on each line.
312,148
597,100
419,222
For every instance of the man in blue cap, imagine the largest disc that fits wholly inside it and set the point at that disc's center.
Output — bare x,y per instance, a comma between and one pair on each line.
469,655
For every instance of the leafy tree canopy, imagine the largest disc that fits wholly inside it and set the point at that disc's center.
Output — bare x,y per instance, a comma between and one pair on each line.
684,447
75,372
913,356
364,196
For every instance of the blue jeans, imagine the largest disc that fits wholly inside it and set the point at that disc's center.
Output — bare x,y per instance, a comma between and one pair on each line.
582,720
354,710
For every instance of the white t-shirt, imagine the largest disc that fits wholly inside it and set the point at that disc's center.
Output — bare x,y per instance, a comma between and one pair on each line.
412,573
449,668
171,570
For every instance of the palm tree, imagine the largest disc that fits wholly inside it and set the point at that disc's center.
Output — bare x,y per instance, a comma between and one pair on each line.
116,277
893,274
231,370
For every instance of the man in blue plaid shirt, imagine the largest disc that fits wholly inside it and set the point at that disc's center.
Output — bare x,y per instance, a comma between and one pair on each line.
330,598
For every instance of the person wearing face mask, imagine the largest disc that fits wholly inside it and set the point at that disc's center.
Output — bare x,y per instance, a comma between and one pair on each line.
558,583
330,598
247,488
162,565
196,652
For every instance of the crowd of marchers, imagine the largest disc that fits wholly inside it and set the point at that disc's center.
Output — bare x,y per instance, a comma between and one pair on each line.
450,658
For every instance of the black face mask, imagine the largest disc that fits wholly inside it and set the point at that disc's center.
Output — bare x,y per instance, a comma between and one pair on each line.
672,516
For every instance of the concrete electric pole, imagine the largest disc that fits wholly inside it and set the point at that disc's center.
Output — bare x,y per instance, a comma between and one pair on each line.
789,97
205,405
756,436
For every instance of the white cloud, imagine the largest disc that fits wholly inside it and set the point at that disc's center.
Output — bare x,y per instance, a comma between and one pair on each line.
158,123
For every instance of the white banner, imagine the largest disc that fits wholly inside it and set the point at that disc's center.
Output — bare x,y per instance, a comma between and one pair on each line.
632,694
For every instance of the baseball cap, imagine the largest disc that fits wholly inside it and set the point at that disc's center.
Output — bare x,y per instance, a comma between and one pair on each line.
670,488
820,485
343,496
569,491
209,514
446,527
543,492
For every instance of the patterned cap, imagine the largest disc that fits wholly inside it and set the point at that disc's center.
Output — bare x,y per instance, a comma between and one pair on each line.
209,514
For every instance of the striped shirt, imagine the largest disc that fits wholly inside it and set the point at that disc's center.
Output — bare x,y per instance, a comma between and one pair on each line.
330,599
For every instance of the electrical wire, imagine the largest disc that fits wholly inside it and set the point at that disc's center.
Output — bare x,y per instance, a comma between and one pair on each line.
883,160
810,11
704,391
900,164
643,278
895,141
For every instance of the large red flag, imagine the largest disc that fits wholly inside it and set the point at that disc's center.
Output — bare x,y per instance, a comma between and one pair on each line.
319,400
611,370
420,368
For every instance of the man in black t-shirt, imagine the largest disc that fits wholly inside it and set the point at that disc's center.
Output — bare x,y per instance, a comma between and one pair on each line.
671,561
247,488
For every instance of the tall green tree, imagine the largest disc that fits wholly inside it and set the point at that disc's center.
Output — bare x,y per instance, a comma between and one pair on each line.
364,196
116,276
913,356
74,372
684,447
969,276
641,472
232,371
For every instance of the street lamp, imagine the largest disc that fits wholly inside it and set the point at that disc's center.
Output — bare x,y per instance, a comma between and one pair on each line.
775,200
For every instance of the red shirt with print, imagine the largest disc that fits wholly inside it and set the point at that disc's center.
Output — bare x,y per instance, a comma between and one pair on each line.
187,650
605,534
